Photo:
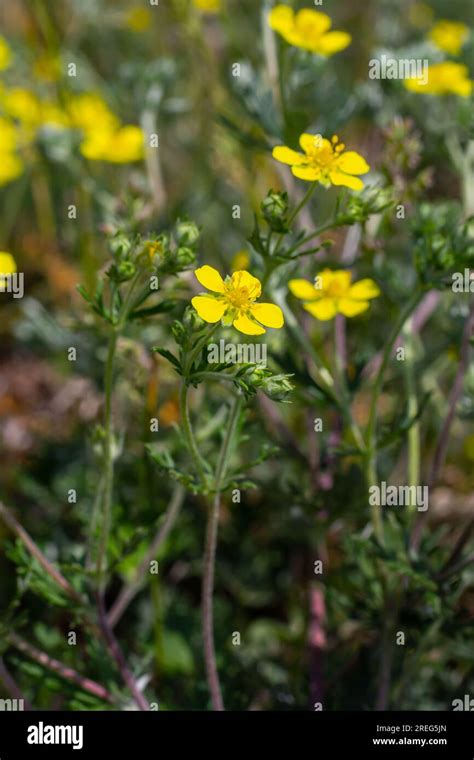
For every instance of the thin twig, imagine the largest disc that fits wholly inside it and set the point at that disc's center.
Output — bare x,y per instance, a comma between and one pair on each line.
117,654
36,552
130,590
43,659
443,438
11,686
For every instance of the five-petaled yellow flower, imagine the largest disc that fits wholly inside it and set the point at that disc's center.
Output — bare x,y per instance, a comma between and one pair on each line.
443,79
333,293
233,302
308,30
449,36
324,161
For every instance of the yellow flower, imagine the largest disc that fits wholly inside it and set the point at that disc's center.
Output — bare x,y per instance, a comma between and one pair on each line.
449,36
119,146
443,79
89,111
234,302
324,161
208,6
23,105
308,30
5,54
333,293
7,268
138,19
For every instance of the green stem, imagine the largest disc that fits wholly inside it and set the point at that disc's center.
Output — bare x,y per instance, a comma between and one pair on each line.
108,457
189,434
210,558
371,456
412,410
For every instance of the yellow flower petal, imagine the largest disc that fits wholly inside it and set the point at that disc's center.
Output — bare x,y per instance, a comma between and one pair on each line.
304,290
346,180
247,326
268,314
352,308
312,23
286,155
7,264
324,309
210,278
209,309
281,18
352,163
243,279
308,173
311,143
364,290
333,43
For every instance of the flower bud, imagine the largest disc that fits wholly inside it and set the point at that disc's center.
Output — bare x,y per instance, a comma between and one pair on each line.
186,233
274,209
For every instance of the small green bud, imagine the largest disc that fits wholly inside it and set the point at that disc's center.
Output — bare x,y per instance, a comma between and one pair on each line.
122,271
186,233
274,209
192,320
185,256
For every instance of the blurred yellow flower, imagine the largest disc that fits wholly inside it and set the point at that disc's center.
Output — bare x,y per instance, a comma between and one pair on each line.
208,6
138,19
7,267
449,36
333,293
307,29
119,146
324,161
10,164
89,111
22,104
443,79
241,260
5,54
234,302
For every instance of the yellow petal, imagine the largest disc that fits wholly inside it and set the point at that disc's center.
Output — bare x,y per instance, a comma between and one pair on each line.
310,143
312,23
210,278
268,314
243,279
210,309
324,309
7,264
304,290
307,173
352,163
352,308
347,180
281,18
332,42
364,290
247,326
286,155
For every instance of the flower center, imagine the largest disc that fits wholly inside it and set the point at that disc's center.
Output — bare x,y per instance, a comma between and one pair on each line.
335,289
238,297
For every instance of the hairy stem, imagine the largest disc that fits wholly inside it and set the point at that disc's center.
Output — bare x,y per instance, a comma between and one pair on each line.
210,558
